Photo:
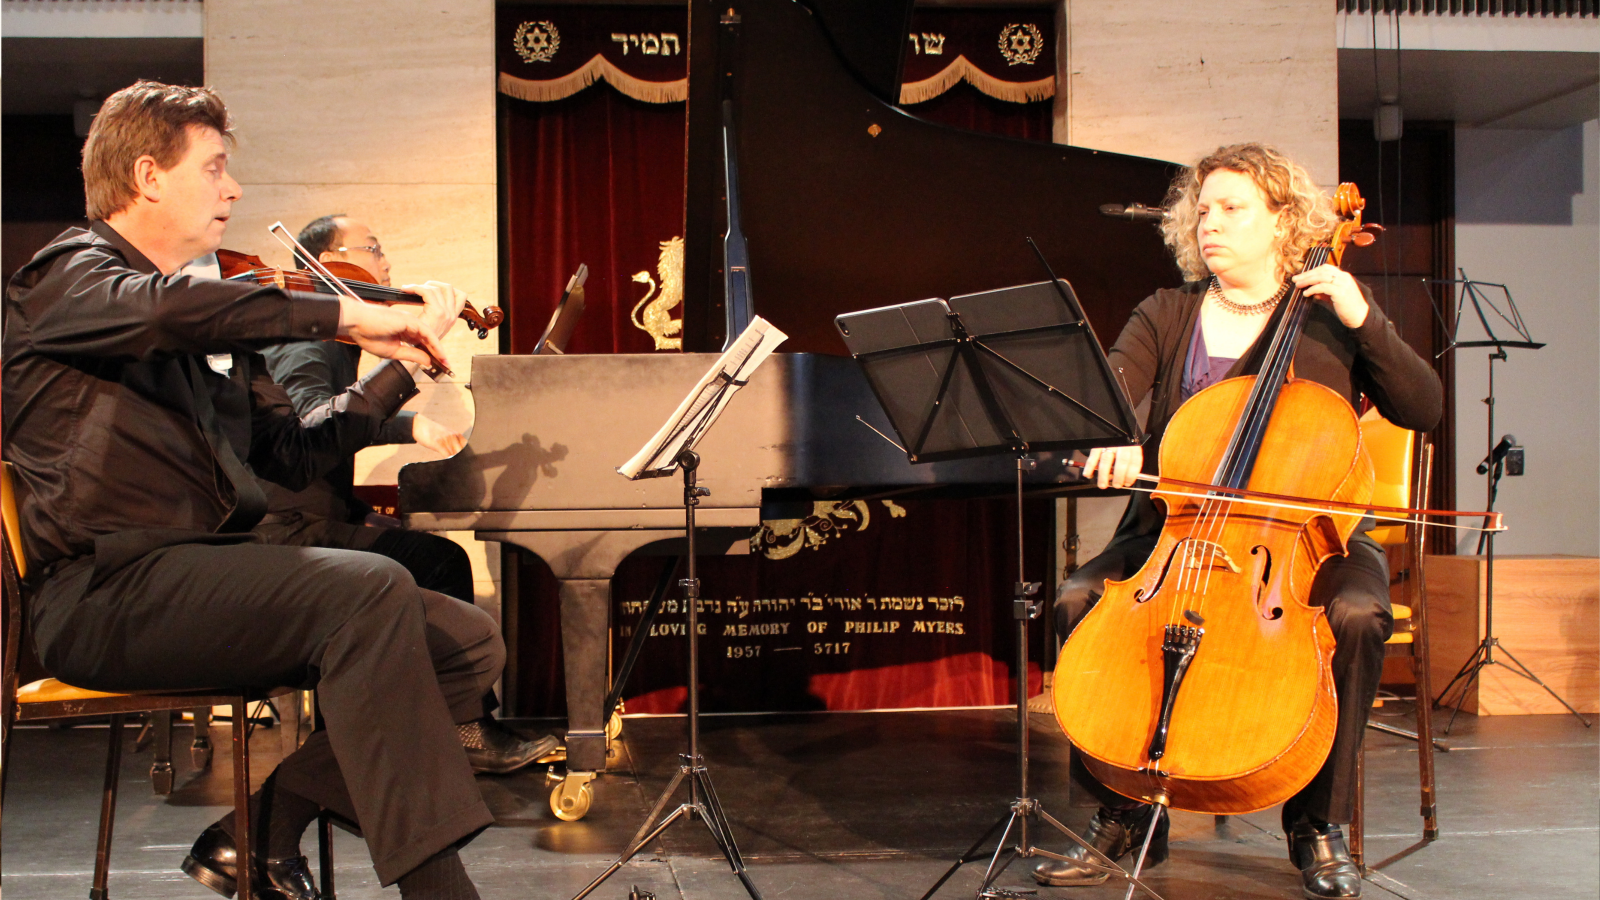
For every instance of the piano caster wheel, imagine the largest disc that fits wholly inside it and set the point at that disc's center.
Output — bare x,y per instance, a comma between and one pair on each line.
614,725
571,797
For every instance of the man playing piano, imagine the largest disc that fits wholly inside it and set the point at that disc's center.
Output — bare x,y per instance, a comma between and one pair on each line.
136,471
327,513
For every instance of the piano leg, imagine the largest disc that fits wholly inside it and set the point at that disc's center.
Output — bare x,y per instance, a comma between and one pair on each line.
586,646
583,563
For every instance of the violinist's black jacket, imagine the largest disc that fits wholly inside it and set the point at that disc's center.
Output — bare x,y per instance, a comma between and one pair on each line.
123,435
133,461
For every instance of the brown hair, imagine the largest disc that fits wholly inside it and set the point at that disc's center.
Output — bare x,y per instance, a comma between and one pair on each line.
146,119
1307,214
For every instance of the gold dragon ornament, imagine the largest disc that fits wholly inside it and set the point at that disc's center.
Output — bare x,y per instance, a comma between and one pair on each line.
657,318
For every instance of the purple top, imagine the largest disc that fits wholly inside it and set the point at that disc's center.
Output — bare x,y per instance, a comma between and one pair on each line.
1201,371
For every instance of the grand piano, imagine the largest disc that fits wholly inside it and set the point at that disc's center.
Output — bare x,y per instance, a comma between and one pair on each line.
846,202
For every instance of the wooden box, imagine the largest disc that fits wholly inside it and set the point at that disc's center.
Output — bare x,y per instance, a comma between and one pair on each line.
1546,613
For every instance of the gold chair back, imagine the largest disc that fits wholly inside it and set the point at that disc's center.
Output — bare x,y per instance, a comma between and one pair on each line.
1393,450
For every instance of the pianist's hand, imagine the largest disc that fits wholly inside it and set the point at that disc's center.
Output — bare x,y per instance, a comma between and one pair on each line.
1117,466
436,437
384,331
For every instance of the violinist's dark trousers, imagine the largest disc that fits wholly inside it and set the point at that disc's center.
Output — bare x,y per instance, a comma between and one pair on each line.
1354,590
395,667
436,562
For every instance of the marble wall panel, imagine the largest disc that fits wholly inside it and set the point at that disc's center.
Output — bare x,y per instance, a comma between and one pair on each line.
384,111
1176,80
394,92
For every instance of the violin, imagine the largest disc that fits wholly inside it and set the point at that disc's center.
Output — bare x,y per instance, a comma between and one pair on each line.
1204,681
238,266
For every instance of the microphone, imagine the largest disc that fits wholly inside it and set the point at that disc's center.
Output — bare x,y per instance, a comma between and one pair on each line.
1498,453
1134,212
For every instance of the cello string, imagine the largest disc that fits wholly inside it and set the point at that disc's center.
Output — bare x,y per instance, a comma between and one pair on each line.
1256,417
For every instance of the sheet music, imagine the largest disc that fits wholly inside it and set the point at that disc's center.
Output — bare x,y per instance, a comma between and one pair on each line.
705,402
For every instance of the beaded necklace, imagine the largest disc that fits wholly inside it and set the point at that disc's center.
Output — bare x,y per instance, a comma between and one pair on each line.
1267,305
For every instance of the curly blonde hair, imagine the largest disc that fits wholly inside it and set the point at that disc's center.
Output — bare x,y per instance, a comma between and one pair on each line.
1308,215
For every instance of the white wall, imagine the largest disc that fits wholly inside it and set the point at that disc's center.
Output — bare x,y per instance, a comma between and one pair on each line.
1528,216
1175,81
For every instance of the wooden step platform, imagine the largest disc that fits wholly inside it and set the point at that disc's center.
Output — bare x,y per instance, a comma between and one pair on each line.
1546,613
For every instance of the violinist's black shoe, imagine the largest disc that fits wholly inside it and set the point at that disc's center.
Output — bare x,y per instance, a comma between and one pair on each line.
494,749
214,862
1114,832
1326,870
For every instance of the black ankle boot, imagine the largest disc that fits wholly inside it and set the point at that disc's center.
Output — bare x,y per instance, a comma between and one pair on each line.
1114,832
1326,870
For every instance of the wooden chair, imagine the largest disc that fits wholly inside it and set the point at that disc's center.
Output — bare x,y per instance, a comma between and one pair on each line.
50,698
1402,462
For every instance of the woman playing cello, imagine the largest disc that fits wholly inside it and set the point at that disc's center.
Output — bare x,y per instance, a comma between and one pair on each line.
1239,223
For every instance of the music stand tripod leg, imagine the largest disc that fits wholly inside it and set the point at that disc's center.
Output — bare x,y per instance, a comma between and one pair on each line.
1527,673
702,796
1024,610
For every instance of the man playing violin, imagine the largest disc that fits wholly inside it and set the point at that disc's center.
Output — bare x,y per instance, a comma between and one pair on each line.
136,467
1239,223
327,513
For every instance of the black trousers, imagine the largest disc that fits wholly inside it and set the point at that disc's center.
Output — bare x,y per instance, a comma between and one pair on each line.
395,668
437,563
1353,589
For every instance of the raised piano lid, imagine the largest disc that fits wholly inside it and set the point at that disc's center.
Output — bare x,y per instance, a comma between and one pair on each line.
837,219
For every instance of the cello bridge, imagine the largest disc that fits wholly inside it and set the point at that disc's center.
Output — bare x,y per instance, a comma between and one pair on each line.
1199,554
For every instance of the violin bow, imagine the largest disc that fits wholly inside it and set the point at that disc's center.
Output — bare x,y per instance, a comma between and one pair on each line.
315,266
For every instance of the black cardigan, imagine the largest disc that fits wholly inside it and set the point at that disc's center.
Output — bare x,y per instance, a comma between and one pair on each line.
1151,352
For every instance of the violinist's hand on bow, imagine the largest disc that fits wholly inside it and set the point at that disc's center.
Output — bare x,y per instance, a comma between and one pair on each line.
1334,286
1116,467
441,305
385,331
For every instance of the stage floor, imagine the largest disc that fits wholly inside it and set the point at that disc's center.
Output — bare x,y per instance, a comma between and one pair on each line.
858,806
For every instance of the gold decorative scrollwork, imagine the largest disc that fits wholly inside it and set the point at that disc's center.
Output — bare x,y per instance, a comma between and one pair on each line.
783,538
657,318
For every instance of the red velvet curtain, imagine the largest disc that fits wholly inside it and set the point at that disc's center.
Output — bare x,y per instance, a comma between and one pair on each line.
596,178
964,106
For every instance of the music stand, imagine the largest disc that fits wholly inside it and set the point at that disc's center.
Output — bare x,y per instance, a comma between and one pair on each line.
1483,655
1010,371
565,318
672,448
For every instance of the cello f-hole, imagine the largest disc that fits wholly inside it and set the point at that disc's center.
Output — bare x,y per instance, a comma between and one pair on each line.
1263,575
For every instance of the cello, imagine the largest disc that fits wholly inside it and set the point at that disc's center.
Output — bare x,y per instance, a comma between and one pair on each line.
1204,681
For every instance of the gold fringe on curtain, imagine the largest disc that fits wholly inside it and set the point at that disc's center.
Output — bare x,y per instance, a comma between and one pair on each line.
594,70
1009,91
